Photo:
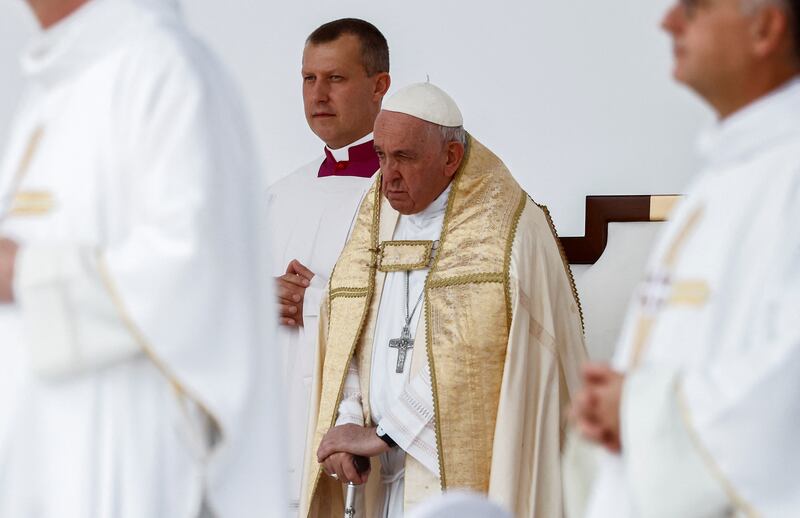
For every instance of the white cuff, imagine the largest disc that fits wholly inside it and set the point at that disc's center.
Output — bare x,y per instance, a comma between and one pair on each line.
350,409
71,324
313,296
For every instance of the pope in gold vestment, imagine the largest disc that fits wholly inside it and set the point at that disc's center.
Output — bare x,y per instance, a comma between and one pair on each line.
502,335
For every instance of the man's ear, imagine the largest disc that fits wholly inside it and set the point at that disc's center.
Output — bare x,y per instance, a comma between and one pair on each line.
455,155
770,32
382,83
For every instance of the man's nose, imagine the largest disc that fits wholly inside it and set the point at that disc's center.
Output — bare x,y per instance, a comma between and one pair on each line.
389,168
673,19
390,174
320,92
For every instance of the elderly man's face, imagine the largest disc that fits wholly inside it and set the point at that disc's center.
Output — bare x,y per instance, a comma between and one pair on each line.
710,43
416,164
340,99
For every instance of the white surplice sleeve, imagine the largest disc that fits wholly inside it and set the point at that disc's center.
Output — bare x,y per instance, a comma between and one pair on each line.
409,421
350,409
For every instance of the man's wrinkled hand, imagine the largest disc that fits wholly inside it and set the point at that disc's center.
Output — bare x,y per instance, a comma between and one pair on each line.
352,439
291,290
343,466
8,256
596,408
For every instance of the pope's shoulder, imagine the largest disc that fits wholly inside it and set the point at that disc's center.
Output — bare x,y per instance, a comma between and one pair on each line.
536,229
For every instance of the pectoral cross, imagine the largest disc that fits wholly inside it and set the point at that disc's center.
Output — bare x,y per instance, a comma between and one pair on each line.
402,344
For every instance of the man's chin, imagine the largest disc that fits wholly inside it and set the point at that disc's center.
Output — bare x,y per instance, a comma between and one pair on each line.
679,72
325,129
402,206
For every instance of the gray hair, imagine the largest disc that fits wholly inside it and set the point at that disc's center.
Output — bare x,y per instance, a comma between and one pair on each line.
453,134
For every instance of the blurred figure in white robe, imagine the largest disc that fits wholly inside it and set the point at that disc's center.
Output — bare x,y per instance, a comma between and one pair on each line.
699,414
134,318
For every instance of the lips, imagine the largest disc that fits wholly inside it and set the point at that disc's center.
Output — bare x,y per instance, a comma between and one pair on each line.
322,115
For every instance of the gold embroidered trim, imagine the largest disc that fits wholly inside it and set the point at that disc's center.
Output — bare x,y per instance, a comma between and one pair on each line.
671,256
180,390
437,428
644,326
472,278
736,498
507,257
689,293
24,164
32,203
348,292
422,263
564,260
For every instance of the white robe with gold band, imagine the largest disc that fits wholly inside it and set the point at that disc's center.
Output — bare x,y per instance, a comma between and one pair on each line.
504,354
711,404
134,376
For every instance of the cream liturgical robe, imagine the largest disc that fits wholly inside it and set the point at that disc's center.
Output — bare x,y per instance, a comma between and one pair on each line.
496,354
134,379
711,404
310,217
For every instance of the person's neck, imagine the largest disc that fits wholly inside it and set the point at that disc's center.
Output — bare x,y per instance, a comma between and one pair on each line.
757,85
50,12
349,143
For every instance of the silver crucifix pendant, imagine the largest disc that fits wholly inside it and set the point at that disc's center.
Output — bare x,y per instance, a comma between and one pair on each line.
402,344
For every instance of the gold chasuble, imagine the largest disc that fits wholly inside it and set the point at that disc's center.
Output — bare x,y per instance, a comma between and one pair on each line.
504,342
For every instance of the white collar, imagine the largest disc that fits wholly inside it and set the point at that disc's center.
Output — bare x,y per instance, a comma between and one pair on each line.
342,154
433,211
771,118
92,31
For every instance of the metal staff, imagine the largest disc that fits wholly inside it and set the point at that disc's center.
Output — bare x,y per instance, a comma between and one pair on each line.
362,466
350,501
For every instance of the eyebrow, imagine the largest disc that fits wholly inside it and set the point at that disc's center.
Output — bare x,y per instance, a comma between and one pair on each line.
330,72
406,152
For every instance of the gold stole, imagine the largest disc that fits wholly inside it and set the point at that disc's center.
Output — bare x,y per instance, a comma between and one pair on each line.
467,319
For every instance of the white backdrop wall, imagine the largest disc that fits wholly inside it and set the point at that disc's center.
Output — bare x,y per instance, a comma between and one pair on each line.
574,95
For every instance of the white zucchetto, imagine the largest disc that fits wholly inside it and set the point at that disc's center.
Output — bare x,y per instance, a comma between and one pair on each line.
427,102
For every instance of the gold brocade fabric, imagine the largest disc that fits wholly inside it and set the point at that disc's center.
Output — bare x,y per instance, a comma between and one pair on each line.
467,319
400,256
